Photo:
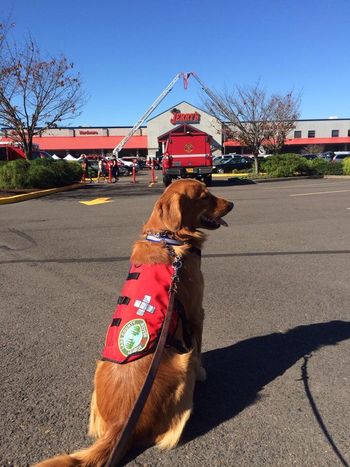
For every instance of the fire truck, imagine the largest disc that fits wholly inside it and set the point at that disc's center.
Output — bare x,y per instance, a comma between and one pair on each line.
187,154
10,151
187,151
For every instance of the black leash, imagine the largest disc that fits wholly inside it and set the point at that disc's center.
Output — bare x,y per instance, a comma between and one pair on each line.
127,431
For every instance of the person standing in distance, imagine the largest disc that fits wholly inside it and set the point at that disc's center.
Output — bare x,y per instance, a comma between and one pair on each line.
115,169
101,170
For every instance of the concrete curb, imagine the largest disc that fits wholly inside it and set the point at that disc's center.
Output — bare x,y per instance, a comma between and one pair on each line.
39,194
341,177
262,180
284,179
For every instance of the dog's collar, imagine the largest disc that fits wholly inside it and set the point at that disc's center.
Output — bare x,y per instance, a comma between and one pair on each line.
163,237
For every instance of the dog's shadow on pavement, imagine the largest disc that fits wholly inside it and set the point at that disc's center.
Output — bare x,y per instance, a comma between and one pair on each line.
236,374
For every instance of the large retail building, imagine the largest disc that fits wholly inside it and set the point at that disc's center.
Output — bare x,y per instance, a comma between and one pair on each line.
331,134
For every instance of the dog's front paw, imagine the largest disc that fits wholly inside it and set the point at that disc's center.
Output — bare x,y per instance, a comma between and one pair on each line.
201,374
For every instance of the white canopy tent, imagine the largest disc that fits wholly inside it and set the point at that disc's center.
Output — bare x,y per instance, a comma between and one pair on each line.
69,157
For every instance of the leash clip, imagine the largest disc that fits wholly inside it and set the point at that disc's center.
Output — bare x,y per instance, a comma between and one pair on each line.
177,265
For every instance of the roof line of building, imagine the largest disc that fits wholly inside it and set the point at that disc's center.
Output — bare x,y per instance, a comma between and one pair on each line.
76,127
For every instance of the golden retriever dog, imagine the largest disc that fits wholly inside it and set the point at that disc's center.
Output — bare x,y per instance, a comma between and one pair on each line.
184,208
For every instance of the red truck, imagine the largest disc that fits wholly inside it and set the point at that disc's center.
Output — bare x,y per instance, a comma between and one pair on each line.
187,154
10,151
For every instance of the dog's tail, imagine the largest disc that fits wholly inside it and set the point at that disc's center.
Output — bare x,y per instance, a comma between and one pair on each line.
95,456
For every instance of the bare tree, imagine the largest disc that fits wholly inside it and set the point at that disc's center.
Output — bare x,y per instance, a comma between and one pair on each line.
284,113
313,149
35,92
252,118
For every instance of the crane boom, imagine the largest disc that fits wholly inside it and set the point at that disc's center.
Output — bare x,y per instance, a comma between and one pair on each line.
159,99
155,104
212,96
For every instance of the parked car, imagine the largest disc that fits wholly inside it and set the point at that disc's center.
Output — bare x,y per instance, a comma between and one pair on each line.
156,160
339,156
309,157
40,155
328,156
224,157
228,165
128,160
125,167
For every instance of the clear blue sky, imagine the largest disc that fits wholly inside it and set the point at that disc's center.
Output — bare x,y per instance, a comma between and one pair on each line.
128,51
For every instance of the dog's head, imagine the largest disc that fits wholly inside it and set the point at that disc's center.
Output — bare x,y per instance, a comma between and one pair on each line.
186,206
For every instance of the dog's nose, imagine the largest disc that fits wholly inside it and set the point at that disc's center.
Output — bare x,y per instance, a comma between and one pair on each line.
230,206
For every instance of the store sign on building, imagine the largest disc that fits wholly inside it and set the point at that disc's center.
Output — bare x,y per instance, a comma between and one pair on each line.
88,132
179,117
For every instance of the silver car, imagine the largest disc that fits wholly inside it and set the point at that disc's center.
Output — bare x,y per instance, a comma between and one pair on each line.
340,156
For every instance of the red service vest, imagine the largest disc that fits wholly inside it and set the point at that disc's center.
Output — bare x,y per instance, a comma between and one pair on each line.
139,316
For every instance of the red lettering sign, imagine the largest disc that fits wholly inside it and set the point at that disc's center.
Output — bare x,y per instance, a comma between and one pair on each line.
88,132
179,117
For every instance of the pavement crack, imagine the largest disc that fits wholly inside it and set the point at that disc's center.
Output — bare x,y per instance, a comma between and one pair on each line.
10,245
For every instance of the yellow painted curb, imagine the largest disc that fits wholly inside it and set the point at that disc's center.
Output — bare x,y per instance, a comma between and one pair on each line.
38,194
228,175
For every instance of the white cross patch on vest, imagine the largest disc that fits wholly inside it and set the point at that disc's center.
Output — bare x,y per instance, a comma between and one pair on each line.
144,305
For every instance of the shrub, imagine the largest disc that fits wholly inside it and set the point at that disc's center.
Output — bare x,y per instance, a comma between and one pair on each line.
323,167
75,171
318,166
45,173
346,166
285,165
39,173
42,174
14,174
335,168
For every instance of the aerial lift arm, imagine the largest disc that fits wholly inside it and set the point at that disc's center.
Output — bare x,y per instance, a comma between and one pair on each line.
159,99
155,104
212,96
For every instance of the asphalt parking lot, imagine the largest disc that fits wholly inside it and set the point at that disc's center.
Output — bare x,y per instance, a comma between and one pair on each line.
276,336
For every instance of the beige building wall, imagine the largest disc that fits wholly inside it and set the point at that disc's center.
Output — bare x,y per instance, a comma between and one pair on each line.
161,124
123,131
59,132
91,131
322,128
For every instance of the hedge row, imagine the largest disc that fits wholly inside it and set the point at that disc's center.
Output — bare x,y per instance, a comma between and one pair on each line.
289,165
346,166
39,173
46,173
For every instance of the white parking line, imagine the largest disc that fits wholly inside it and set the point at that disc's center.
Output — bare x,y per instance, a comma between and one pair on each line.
291,187
320,193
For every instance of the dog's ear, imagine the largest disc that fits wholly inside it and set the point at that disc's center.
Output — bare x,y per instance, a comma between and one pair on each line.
170,212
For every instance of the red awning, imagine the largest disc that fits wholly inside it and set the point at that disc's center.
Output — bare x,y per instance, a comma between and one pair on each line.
231,142
52,143
303,141
89,142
